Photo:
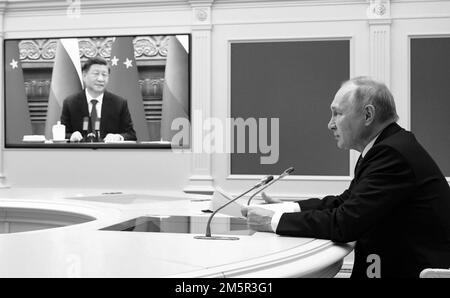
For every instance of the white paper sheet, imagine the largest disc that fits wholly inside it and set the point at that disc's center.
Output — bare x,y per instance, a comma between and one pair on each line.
220,198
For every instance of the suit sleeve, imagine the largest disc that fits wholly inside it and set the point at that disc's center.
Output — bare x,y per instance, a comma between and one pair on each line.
126,124
324,203
383,185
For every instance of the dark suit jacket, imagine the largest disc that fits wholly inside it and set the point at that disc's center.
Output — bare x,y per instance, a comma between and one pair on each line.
397,206
115,117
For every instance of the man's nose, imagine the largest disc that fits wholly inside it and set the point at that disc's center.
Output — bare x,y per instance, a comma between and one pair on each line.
331,124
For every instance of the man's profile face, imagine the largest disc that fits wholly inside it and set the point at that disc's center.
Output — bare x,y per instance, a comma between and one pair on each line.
346,122
96,78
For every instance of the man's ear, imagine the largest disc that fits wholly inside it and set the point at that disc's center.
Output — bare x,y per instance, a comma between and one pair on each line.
83,76
369,114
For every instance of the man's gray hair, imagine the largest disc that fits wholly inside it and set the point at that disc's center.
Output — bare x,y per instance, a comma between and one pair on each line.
369,91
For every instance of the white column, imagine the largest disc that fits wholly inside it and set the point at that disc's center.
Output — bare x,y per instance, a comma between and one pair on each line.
2,67
201,180
379,19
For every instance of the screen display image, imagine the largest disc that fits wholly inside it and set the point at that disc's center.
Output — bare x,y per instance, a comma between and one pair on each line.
94,92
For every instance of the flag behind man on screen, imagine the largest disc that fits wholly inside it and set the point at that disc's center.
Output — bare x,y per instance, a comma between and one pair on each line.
124,81
66,80
176,88
17,114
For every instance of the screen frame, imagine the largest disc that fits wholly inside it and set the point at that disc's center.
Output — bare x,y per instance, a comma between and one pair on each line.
99,145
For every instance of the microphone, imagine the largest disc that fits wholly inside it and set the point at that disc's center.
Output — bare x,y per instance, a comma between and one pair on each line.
85,123
90,137
208,236
97,129
97,124
285,173
85,128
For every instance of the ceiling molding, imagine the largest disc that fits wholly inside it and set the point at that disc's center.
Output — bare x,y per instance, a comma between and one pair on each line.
59,6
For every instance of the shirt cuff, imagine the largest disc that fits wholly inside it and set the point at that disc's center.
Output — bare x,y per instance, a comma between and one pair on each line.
282,208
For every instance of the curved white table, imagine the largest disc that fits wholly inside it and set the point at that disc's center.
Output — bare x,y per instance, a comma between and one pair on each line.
83,250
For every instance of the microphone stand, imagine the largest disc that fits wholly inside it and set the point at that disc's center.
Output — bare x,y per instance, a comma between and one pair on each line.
285,173
97,130
208,225
86,120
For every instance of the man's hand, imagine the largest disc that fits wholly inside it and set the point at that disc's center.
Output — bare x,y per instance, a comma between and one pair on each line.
258,219
111,137
76,136
269,200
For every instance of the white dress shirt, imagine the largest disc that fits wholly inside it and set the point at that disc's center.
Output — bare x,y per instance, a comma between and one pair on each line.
99,103
109,137
294,206
369,146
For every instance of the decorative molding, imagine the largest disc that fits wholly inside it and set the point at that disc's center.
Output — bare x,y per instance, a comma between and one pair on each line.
380,35
201,180
379,9
2,140
151,46
2,17
201,14
380,52
203,3
44,50
61,6
282,3
380,21
37,50
3,6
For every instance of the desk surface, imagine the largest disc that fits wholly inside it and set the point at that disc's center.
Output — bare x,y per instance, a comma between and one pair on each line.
83,250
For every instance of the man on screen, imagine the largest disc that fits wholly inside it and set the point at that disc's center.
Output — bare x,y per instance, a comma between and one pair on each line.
93,103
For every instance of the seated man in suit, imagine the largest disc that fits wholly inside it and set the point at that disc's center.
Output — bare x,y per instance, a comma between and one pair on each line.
112,110
397,205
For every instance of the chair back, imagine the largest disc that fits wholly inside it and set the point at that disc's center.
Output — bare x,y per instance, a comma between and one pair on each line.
435,273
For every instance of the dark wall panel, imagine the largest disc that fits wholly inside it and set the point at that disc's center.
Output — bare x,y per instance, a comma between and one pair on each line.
295,82
430,97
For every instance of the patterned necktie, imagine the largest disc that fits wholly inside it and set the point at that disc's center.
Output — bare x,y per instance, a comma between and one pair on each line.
93,114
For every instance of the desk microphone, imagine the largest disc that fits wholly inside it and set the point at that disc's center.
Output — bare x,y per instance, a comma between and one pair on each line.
85,123
97,124
97,129
90,137
85,128
208,236
285,173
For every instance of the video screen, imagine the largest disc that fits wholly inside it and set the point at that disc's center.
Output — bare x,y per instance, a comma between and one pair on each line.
102,91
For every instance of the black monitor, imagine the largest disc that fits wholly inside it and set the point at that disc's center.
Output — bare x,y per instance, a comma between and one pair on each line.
44,76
